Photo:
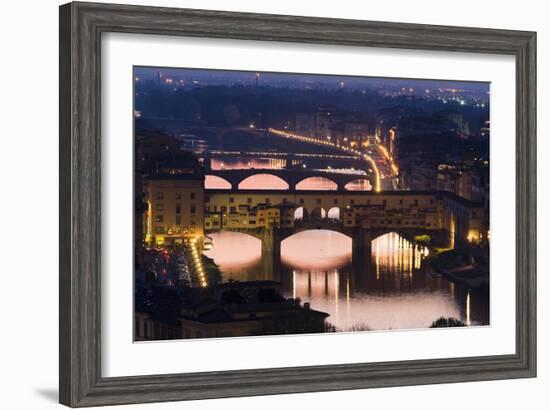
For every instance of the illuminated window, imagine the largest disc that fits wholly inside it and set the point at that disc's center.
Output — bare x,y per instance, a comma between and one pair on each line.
159,218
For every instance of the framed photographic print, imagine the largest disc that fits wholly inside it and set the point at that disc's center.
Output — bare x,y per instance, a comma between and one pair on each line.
261,204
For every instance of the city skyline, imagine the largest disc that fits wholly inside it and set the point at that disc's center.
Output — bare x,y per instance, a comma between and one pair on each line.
293,80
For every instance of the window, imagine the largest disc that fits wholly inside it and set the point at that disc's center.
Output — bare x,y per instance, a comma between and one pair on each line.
178,208
223,209
301,201
352,201
416,202
400,202
178,196
159,206
192,195
159,229
159,195
231,200
192,209
159,218
249,200
318,201
335,202
267,201
178,219
233,209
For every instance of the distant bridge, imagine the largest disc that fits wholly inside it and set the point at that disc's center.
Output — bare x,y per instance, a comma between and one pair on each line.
275,154
292,177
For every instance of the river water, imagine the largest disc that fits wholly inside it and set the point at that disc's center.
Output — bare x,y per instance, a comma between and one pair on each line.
393,292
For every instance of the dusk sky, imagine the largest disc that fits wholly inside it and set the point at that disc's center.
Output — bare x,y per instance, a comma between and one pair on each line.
213,77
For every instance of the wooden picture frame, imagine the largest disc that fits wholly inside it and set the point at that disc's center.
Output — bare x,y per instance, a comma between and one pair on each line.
81,27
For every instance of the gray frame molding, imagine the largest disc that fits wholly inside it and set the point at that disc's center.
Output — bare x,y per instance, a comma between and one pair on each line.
81,26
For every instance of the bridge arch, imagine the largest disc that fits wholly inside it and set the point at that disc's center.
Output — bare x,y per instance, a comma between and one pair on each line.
318,214
294,247
233,249
334,213
301,214
216,182
318,182
265,180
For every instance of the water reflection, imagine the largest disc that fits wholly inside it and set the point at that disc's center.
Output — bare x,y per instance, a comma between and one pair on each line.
393,292
266,181
317,183
359,185
247,163
215,182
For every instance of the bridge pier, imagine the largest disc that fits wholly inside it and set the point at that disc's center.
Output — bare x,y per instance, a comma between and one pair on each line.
271,252
361,254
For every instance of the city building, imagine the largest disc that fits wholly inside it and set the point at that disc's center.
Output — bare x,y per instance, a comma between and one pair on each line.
224,310
175,208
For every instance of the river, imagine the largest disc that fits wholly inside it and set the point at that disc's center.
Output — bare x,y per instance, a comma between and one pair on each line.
393,292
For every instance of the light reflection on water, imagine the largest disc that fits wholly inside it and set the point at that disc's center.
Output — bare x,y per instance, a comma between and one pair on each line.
393,293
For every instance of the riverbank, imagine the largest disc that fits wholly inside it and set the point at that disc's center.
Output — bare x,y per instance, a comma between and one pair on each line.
467,266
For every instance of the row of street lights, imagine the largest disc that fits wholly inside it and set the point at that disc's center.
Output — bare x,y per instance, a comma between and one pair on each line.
328,142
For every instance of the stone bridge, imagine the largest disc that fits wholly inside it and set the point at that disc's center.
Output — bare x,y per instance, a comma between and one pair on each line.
291,177
271,238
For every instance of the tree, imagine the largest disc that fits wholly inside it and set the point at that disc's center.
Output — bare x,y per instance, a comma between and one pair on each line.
447,322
